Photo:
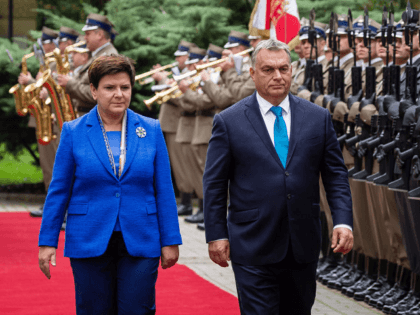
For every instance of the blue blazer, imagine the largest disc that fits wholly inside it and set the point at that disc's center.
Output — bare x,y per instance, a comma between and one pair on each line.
84,184
272,206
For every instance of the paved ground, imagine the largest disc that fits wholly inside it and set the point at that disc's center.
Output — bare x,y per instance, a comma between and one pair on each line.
193,253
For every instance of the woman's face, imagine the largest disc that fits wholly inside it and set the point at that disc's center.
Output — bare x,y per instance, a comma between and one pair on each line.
113,93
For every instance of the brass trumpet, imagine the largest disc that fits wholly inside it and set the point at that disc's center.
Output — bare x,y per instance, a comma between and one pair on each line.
152,72
18,90
200,68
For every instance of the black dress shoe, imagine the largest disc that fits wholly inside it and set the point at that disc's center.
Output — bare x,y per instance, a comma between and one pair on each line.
332,283
372,298
410,300
392,299
375,287
361,286
37,213
201,227
184,210
378,298
363,278
195,218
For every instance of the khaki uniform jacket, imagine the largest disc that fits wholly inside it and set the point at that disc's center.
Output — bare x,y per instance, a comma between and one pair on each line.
219,94
240,86
186,122
205,110
80,88
346,66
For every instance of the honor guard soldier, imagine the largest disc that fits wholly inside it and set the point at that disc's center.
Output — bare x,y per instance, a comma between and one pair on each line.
362,52
238,42
299,66
307,51
169,116
98,40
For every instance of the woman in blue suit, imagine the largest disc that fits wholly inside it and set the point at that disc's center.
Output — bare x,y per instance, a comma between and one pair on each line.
112,175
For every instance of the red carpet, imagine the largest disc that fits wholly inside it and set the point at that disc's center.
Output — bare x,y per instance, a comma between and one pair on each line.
24,290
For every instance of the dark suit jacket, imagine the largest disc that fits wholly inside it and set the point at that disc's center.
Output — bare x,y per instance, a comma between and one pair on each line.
272,206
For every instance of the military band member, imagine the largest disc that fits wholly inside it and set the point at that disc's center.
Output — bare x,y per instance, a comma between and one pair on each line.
186,124
98,40
169,116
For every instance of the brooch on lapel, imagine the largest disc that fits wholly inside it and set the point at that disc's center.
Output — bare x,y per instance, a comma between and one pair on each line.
141,132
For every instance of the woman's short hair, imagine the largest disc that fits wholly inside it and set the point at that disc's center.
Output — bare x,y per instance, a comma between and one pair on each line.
108,65
270,44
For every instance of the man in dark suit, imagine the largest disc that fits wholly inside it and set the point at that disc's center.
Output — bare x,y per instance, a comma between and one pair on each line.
269,165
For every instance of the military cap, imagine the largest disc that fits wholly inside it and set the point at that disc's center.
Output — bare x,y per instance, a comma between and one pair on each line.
319,28
196,54
95,21
399,33
67,33
237,38
48,35
342,24
374,27
214,52
183,48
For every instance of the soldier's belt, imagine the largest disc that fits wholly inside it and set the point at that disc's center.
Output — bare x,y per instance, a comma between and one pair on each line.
206,113
188,114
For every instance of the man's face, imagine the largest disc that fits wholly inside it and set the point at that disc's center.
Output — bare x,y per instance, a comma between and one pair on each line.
362,52
237,49
93,39
272,75
381,50
415,43
403,51
48,47
306,48
254,42
63,45
181,61
79,59
344,45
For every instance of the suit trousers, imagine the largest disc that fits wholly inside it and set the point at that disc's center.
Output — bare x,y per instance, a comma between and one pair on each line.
115,282
286,287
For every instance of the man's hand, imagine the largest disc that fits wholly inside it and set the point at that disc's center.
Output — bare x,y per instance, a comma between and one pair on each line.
342,241
219,252
63,79
205,76
227,65
169,256
24,78
184,86
46,254
43,94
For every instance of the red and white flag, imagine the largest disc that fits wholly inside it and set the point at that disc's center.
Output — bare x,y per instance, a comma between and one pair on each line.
281,17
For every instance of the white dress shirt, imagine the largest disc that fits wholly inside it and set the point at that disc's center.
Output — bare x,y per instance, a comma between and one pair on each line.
269,118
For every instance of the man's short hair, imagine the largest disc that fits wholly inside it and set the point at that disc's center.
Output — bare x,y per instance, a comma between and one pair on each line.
270,44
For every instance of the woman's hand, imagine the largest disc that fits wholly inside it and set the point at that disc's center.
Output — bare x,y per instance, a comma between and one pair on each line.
47,254
170,255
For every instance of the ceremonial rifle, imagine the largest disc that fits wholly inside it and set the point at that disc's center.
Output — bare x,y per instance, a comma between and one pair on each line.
332,45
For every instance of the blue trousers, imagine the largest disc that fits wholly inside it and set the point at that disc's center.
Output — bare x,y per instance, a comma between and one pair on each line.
283,288
115,282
